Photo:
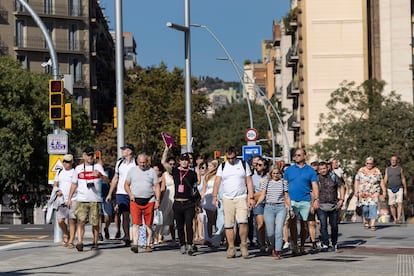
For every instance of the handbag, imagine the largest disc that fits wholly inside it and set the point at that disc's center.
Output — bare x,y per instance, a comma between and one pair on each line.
195,193
158,217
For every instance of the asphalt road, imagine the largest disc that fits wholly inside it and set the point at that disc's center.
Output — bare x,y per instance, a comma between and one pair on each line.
10,233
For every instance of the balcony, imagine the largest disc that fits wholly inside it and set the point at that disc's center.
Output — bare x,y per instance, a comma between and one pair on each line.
36,43
292,123
278,66
58,10
292,57
292,90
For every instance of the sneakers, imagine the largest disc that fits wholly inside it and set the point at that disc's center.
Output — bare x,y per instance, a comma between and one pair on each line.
286,246
303,251
295,251
276,254
314,248
262,249
106,230
118,235
244,251
182,249
335,248
127,242
100,237
134,248
190,249
325,248
231,252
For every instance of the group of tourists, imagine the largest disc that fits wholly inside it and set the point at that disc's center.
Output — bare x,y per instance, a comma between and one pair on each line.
234,201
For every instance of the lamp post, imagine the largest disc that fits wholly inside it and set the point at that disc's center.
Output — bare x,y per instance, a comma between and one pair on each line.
238,69
187,54
234,66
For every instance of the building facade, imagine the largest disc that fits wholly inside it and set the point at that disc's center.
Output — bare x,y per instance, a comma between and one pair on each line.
84,47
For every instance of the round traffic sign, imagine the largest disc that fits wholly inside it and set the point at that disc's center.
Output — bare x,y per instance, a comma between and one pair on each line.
251,134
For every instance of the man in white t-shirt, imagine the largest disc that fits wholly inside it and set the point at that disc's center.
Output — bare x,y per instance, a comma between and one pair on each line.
87,182
238,199
63,182
118,182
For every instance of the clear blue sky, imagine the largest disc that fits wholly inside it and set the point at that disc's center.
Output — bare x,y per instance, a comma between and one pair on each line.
240,25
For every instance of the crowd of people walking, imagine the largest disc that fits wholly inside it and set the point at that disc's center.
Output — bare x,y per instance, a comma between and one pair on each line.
238,204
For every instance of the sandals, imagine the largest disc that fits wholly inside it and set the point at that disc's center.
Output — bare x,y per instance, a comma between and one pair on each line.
65,240
71,245
79,247
366,225
373,228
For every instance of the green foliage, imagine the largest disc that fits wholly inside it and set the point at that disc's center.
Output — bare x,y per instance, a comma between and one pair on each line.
24,126
154,103
362,122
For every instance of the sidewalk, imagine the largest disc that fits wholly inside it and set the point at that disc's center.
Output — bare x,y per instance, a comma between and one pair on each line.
387,251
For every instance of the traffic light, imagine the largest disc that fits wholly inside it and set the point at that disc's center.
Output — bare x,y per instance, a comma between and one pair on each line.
216,154
115,117
98,155
56,100
183,136
68,116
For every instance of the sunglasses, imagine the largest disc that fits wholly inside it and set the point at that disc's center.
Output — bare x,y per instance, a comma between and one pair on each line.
90,154
369,163
231,158
260,165
298,154
65,161
171,164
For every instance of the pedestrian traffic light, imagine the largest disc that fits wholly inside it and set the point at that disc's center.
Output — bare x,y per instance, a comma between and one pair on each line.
68,116
98,155
56,100
216,154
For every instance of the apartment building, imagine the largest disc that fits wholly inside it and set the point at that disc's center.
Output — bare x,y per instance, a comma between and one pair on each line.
84,47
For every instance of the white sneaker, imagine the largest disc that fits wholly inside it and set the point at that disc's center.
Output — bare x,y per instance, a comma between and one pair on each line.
286,246
324,248
335,248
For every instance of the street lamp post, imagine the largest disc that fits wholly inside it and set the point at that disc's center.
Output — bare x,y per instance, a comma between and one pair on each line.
187,54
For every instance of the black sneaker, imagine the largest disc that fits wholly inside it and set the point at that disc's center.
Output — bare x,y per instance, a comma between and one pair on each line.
118,235
106,233
134,248
100,237
127,242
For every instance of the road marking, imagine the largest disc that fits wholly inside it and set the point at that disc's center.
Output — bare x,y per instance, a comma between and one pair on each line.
4,228
8,246
33,228
405,265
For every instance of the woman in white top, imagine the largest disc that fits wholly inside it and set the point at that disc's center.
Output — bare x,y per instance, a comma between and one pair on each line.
167,200
206,197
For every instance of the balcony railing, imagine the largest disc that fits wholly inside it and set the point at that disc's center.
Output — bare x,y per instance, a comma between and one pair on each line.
58,9
292,122
278,65
292,56
292,90
38,43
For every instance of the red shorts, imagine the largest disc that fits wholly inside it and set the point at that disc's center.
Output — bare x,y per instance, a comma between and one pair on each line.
138,210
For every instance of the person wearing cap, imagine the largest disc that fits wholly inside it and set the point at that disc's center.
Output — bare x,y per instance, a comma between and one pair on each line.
184,204
123,165
87,182
62,183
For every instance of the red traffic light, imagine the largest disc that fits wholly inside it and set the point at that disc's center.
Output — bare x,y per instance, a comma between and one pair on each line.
56,86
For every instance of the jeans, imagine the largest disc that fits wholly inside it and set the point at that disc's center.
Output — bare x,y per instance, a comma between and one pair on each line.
274,218
333,221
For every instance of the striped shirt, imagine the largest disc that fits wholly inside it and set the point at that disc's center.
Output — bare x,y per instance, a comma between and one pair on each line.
275,191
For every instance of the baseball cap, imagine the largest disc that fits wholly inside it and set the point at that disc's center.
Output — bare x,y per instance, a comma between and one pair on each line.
68,157
185,156
128,146
89,150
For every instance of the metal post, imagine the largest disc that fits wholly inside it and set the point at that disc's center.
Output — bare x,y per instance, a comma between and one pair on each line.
57,232
119,68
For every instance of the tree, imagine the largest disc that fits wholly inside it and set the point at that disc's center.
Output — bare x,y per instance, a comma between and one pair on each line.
154,103
24,126
362,122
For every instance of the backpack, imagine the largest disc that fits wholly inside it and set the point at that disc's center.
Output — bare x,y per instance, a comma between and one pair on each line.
243,163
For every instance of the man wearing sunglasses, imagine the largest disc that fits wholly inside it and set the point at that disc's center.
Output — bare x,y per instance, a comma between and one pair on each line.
87,182
303,190
238,199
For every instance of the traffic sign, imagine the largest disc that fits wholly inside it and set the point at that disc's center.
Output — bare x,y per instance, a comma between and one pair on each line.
55,164
251,134
249,151
57,143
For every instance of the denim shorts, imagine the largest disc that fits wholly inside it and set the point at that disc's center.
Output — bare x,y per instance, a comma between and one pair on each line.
123,203
370,211
259,210
301,209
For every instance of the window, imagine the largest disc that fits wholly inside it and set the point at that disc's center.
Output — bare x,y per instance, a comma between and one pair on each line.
49,28
19,33
48,6
75,69
47,65
73,37
20,7
74,7
23,61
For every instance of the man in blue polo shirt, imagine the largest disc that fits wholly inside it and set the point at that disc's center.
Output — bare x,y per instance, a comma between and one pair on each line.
304,194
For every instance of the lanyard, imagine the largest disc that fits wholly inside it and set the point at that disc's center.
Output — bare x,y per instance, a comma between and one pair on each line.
182,176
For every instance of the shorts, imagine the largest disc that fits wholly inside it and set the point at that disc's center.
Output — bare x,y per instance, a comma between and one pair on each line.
90,210
234,209
64,212
123,203
259,210
107,208
370,211
138,210
301,209
395,198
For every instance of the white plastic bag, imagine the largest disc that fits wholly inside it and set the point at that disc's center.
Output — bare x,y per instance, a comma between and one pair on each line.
158,217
